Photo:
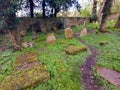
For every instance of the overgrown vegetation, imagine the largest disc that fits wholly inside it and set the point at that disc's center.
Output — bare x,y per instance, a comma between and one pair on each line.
108,54
64,69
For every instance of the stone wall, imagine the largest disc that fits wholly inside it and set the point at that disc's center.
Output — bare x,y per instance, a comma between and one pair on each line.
49,24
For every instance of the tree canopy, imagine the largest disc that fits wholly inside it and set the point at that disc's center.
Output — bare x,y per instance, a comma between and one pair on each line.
49,8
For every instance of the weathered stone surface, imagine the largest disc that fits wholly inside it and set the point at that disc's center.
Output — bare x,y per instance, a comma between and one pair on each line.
102,43
25,45
119,49
23,33
25,59
110,75
28,44
31,44
72,49
68,33
24,79
83,32
51,39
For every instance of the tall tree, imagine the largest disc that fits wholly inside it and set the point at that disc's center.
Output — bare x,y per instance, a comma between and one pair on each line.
105,12
43,8
31,8
9,21
52,7
94,11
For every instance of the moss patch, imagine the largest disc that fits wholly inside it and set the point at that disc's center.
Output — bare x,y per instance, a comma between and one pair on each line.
72,49
24,79
25,59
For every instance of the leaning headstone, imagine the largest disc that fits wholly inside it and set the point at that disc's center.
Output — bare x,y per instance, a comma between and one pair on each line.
68,33
51,39
83,32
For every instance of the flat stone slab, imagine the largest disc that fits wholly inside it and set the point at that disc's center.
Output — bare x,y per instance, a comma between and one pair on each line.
24,79
25,59
110,75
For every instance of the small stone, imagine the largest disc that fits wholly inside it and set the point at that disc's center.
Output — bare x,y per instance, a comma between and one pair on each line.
51,39
25,45
31,44
83,32
119,49
102,43
68,33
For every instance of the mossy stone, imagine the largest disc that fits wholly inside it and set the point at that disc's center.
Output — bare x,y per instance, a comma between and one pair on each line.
72,49
25,59
24,79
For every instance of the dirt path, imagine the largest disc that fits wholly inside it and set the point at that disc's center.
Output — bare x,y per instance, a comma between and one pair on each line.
86,68
87,77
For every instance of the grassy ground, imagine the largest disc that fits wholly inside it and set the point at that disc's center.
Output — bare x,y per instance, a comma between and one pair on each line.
109,54
64,69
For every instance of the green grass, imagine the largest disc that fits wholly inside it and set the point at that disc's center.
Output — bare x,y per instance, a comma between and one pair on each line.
64,69
109,55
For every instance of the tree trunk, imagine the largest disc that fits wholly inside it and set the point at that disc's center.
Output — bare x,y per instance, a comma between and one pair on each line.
117,25
106,11
94,9
31,8
55,14
99,16
43,8
15,38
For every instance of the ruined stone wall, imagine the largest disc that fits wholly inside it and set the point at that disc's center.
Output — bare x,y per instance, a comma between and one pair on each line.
49,24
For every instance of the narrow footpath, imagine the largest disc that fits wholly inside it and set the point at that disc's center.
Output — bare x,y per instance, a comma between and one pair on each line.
86,68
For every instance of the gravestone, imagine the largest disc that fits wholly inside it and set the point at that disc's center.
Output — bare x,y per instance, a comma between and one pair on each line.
73,49
83,32
109,75
68,33
51,39
27,73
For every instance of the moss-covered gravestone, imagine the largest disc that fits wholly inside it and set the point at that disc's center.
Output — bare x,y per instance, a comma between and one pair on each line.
27,72
73,49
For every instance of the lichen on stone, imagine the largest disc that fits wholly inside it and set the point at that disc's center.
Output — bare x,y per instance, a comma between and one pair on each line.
24,59
73,49
24,79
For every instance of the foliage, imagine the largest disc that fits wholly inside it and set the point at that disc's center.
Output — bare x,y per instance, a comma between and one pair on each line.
7,13
84,13
107,53
63,68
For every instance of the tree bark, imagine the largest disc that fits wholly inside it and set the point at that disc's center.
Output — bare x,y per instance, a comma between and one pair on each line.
31,8
117,25
15,38
94,9
10,24
106,11
99,16
43,8
55,14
